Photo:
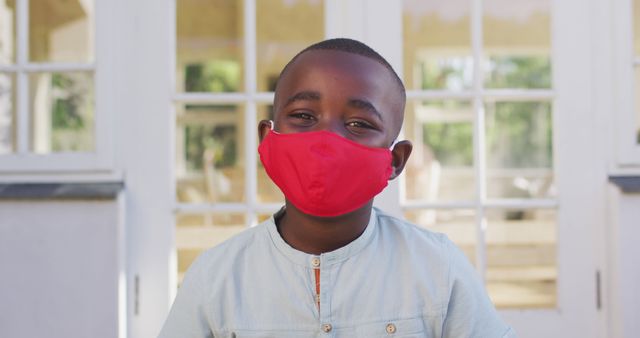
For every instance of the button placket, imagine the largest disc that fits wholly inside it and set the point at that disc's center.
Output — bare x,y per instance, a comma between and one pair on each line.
319,264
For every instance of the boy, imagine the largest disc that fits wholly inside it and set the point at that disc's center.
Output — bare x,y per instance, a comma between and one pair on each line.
329,264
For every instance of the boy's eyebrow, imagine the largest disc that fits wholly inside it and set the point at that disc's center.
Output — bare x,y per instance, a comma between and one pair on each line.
366,105
303,96
309,95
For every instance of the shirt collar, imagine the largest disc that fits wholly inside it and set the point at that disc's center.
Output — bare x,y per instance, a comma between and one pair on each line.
328,258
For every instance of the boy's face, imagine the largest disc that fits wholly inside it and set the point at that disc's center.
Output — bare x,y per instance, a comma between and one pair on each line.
344,93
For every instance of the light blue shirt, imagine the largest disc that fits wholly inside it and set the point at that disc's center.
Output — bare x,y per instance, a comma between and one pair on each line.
395,280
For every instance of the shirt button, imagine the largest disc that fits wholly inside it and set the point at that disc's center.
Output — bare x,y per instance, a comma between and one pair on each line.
326,328
315,262
391,328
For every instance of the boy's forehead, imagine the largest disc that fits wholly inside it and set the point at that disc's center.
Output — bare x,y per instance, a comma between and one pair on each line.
339,60
349,66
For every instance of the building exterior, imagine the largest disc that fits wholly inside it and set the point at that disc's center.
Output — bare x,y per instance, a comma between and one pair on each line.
128,136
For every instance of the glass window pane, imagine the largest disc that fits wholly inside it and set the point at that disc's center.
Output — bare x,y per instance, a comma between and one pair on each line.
441,164
457,224
268,192
61,31
7,31
519,150
196,233
521,258
7,113
517,42
209,46
437,44
283,28
62,112
264,217
210,153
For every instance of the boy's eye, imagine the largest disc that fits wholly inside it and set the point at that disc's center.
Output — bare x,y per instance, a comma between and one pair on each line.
302,118
359,124
302,115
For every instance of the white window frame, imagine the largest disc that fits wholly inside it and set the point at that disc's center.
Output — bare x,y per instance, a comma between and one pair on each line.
23,161
626,90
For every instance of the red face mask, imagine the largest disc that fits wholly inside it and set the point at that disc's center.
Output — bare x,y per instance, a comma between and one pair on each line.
324,174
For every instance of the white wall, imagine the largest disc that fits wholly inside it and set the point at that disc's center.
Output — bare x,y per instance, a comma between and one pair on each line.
59,269
624,314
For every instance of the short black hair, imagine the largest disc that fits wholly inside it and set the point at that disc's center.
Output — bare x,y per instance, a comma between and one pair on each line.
353,47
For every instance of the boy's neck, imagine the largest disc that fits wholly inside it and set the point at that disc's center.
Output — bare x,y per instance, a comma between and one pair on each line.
316,235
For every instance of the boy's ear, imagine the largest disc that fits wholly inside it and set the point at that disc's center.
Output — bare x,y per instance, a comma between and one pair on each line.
263,129
400,155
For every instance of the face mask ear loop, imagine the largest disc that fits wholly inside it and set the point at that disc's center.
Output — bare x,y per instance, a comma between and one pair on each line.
393,144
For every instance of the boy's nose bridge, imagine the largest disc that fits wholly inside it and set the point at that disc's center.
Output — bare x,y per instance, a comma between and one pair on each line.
334,125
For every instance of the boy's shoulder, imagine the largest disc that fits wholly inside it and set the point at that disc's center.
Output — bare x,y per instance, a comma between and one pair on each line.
415,242
403,230
229,252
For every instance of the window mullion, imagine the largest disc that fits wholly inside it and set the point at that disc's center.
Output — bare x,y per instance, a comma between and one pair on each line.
250,118
57,67
22,79
479,148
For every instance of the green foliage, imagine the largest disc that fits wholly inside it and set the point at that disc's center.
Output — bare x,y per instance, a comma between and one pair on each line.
219,139
519,135
452,143
447,73
66,110
214,76
519,72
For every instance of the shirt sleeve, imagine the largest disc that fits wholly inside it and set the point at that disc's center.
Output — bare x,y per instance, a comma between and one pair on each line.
469,313
187,317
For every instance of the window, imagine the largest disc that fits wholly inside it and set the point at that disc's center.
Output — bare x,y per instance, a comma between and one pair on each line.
480,112
229,56
49,83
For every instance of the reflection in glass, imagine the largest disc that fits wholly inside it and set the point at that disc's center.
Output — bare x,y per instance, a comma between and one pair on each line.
437,44
7,113
209,46
7,32
519,150
517,43
62,112
196,233
457,224
283,28
441,164
521,258
268,192
61,31
209,153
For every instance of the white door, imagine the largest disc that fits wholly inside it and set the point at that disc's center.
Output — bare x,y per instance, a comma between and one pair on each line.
500,113
497,110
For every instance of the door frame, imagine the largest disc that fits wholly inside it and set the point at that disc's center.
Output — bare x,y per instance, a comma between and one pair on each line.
149,45
579,158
